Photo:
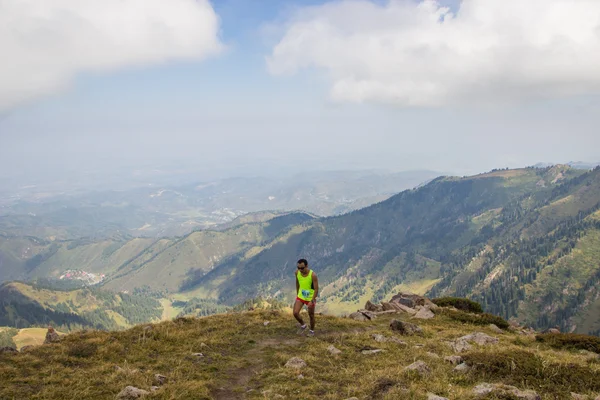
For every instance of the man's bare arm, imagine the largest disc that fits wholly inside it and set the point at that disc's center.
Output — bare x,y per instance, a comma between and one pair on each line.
316,283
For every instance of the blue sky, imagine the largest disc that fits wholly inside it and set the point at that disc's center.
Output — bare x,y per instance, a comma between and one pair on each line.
292,87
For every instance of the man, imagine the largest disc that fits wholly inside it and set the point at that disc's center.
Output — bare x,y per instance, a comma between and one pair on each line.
307,290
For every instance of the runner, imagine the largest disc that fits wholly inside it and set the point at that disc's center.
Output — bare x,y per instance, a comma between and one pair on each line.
307,290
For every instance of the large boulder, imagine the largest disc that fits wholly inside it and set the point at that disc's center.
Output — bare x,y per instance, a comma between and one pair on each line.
424,313
373,307
358,316
420,367
368,314
405,328
408,299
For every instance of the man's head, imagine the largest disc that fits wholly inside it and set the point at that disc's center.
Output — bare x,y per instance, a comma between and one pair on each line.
302,263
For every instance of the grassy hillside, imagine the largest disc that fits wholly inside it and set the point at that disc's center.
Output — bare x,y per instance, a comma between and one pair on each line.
242,358
23,306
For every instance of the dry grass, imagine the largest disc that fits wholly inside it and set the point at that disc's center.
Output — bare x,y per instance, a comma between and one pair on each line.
243,358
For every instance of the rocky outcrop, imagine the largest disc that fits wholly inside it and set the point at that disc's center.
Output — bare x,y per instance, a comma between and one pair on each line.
424,313
51,336
499,389
373,307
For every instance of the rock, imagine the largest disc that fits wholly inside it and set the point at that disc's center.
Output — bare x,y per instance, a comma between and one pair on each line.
160,379
553,330
432,355
385,312
408,298
495,328
352,398
405,328
358,316
373,307
8,350
462,368
27,348
51,336
300,377
459,345
480,338
379,338
388,307
374,351
403,308
424,313
454,360
278,396
131,392
576,396
333,350
431,396
382,339
266,323
295,362
368,314
500,389
420,367
153,388
431,305
197,354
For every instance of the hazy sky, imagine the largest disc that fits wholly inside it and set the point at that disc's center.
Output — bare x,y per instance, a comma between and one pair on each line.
243,84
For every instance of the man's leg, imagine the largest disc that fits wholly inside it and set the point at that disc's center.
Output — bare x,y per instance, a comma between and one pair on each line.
311,314
297,308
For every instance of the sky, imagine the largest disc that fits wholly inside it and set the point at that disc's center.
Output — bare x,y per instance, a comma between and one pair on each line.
258,87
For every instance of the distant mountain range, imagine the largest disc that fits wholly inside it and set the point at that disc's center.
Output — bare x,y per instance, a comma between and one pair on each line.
573,164
522,242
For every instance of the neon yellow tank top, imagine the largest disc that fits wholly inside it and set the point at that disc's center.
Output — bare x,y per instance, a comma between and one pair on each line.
306,291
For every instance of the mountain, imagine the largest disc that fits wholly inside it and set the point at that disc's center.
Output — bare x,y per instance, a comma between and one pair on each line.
24,305
523,242
259,355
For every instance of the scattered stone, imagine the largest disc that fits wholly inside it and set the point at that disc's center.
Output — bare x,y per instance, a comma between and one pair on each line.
431,396
153,388
553,330
352,398
385,312
495,328
379,338
373,307
397,341
160,379
27,348
358,316
500,389
51,336
300,376
131,392
424,313
332,349
405,328
8,350
480,338
576,396
420,367
278,396
459,345
374,351
454,360
402,307
432,355
388,306
431,305
266,323
462,368
197,354
295,362
202,345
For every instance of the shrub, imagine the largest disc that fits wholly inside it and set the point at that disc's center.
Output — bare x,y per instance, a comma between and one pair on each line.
82,349
518,367
459,303
477,319
570,341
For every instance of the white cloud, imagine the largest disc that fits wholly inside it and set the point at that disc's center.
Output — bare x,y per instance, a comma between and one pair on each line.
421,54
45,44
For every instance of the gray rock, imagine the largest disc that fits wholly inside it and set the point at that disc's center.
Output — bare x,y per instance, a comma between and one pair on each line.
495,329
333,350
431,396
553,330
131,392
373,307
197,354
462,368
405,301
300,377
424,313
295,362
358,316
459,345
27,348
480,338
266,323
51,336
352,398
368,314
403,308
374,351
500,389
154,388
432,355
8,350
420,367
379,338
388,306
454,360
160,379
431,305
405,328
386,312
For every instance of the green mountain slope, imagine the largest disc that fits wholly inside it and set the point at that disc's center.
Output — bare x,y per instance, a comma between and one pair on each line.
23,306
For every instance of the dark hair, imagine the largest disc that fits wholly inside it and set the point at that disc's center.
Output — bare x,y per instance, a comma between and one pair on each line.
303,261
